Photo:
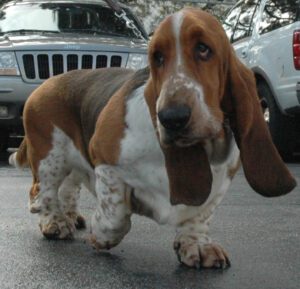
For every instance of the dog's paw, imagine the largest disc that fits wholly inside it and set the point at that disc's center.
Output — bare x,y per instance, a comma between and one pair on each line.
77,219
107,232
57,227
105,238
101,244
194,253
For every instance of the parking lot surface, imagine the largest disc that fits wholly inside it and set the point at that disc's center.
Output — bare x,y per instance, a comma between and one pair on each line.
261,235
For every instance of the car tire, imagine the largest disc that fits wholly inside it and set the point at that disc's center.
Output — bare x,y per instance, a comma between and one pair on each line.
282,127
3,141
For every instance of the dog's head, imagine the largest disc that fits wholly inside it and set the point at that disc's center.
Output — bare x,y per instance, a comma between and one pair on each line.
197,83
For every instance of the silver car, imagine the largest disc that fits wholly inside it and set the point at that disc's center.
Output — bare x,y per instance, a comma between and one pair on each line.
39,39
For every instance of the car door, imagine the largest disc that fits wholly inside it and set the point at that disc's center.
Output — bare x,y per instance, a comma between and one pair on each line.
274,57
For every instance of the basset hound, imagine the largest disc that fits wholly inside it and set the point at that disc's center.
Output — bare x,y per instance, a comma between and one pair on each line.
163,142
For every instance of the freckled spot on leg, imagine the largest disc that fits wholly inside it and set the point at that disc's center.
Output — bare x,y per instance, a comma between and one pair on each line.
80,222
104,206
46,200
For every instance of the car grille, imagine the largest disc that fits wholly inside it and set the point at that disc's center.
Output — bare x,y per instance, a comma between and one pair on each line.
38,66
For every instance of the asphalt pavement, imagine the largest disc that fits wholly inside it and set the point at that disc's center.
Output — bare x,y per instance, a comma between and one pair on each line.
261,235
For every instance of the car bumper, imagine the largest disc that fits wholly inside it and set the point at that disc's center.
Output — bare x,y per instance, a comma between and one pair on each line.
13,94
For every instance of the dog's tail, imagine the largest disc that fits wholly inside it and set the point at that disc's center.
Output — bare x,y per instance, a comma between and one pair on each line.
18,159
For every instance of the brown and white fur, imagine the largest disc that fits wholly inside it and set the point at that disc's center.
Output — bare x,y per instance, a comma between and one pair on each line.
163,143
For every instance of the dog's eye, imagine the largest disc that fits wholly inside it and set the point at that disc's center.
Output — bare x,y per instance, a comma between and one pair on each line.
202,51
158,58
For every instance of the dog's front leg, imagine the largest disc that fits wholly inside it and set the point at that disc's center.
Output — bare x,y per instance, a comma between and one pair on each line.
111,219
195,248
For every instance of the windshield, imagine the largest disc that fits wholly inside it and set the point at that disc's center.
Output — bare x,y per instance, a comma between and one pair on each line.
63,17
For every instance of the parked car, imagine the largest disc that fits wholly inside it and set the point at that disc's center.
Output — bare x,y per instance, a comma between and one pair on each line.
39,39
266,37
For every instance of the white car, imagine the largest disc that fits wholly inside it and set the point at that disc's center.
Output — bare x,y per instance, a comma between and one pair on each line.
266,37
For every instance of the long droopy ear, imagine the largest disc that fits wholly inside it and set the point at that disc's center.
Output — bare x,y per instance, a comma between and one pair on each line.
188,168
263,167
189,174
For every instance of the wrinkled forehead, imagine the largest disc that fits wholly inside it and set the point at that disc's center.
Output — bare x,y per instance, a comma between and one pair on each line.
184,26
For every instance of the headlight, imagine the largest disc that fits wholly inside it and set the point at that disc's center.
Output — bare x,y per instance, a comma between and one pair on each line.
137,61
8,64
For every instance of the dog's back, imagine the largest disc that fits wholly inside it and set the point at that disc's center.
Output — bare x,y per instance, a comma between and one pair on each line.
82,94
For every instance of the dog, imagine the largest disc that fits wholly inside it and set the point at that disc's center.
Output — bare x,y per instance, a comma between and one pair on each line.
163,142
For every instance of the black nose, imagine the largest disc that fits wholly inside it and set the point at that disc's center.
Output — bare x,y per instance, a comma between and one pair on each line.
175,118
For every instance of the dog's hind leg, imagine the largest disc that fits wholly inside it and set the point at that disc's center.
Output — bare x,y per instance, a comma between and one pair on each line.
69,193
52,172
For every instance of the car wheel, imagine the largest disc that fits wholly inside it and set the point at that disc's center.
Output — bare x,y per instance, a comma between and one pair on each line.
282,127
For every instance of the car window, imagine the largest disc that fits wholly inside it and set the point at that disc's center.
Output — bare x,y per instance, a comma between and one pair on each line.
244,24
278,13
64,17
230,20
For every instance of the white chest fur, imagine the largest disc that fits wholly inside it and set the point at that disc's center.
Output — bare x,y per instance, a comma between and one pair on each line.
141,162
141,165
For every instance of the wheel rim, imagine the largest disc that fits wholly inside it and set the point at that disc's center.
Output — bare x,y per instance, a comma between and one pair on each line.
266,110
267,115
